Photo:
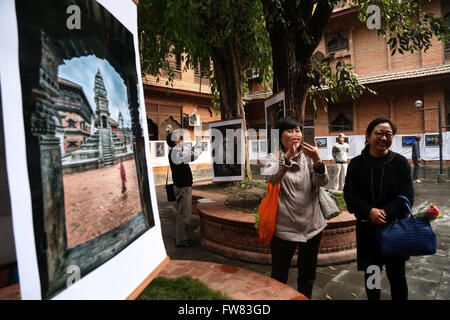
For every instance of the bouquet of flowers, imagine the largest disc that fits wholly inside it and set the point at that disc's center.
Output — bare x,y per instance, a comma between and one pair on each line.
428,210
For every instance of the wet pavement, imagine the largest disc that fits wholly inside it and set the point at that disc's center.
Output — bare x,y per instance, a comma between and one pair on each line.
428,277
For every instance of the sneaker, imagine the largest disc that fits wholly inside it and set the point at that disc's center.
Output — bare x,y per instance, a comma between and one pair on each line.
418,181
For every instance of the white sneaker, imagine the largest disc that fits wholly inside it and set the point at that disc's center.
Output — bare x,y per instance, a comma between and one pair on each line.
418,181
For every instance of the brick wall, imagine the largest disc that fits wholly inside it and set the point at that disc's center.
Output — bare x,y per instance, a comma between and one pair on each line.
369,52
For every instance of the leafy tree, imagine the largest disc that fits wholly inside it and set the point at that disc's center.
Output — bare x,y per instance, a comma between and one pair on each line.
296,27
225,36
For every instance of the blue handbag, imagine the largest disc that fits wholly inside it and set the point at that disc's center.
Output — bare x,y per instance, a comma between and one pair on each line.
410,236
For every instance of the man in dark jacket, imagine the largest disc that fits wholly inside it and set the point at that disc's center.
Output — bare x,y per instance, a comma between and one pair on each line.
179,158
416,159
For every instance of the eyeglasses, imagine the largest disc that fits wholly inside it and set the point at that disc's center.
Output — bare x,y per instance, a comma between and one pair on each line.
380,134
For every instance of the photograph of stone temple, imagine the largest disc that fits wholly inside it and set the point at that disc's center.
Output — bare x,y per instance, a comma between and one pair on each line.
99,170
91,140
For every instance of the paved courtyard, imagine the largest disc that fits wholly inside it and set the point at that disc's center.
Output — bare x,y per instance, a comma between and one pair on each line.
94,203
428,276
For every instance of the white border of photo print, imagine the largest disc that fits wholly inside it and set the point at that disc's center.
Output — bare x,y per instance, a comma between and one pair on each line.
218,124
108,281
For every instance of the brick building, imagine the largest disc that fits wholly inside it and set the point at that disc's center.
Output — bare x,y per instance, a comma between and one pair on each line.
399,80
76,114
168,105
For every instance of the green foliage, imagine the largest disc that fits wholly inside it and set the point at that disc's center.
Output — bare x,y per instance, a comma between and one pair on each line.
200,29
182,288
247,182
330,81
256,225
406,24
340,200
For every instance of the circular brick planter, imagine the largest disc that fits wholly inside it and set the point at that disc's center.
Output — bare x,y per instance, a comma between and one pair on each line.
232,234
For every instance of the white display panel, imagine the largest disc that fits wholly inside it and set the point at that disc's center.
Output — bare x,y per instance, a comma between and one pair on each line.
112,262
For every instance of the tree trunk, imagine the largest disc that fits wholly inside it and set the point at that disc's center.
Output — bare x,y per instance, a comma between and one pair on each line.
228,74
293,47
289,74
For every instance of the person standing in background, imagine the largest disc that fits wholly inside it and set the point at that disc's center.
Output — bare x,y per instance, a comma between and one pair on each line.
179,157
340,155
416,159
123,176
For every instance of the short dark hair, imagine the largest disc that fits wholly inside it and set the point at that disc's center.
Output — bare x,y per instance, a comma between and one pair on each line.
379,120
171,138
287,123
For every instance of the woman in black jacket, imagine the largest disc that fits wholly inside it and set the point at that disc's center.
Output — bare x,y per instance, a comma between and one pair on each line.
373,180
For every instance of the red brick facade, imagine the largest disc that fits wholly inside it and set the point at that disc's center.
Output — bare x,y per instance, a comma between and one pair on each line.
370,55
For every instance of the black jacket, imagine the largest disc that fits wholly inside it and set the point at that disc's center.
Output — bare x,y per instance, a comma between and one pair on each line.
415,150
374,183
181,171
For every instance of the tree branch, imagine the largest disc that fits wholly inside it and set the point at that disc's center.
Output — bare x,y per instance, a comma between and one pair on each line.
314,30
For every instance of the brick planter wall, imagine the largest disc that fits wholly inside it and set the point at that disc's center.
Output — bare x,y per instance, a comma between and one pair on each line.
232,234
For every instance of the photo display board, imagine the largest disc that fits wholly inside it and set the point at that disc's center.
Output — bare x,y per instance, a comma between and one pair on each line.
82,194
227,150
274,110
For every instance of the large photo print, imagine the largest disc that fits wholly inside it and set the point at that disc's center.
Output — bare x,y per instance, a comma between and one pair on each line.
227,150
274,110
84,138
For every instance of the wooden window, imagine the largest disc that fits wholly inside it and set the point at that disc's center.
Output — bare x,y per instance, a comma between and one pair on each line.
447,44
71,123
175,62
197,72
72,144
340,116
337,42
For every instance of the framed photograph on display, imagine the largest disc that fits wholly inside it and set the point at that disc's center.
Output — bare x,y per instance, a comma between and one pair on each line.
262,147
407,141
254,146
322,143
82,147
274,108
227,150
204,145
159,149
432,140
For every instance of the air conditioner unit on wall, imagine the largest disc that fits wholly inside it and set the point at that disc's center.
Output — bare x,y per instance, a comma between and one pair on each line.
194,120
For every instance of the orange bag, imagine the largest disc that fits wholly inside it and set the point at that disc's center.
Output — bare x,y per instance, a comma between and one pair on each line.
267,212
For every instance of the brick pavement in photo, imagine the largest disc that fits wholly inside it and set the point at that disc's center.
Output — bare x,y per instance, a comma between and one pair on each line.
94,203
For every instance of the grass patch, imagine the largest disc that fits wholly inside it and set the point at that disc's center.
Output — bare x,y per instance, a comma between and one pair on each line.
340,200
181,288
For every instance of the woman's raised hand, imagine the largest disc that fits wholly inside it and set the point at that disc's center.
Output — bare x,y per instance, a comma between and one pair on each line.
311,151
293,144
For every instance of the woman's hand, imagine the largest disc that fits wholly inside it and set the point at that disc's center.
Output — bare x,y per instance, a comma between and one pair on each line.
293,144
311,151
377,216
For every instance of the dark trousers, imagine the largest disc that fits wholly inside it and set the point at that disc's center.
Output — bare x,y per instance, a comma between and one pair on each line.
282,253
395,271
416,171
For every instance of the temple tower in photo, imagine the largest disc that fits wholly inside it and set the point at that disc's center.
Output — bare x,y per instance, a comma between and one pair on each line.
102,121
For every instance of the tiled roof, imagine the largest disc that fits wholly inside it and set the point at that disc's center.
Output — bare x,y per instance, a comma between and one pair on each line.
407,74
378,78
